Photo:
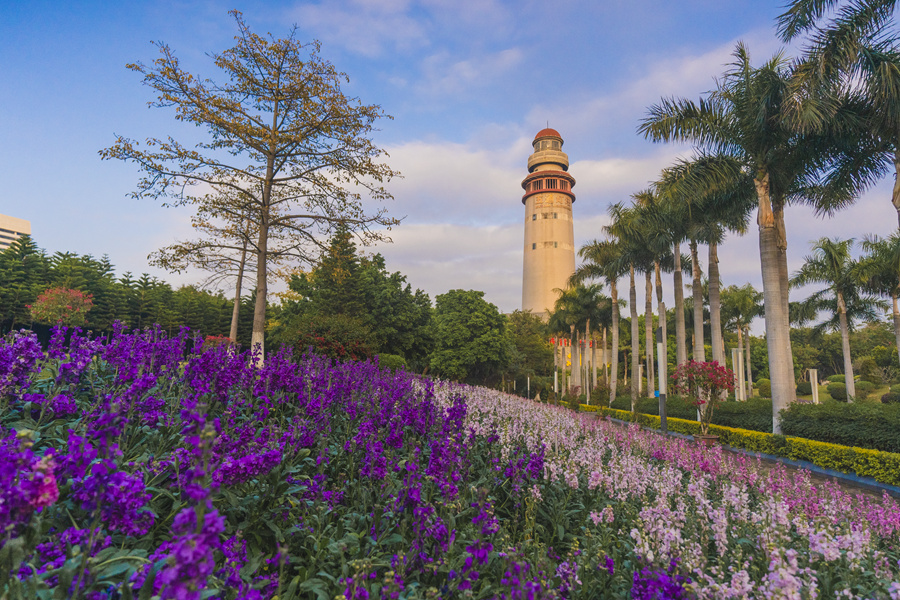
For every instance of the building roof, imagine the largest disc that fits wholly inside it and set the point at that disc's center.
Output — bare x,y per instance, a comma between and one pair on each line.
547,133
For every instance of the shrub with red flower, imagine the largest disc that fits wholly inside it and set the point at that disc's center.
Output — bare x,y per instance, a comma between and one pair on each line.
707,382
60,305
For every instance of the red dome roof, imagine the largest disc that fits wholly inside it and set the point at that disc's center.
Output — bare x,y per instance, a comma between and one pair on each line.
547,133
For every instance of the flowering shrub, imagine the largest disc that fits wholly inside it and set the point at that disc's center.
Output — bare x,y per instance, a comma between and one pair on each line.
707,383
61,306
187,471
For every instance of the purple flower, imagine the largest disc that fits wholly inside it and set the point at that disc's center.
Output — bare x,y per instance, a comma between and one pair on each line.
190,560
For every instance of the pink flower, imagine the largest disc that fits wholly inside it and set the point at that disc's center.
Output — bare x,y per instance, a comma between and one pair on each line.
47,491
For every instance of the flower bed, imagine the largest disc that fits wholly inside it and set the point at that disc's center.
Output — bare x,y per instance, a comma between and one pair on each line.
147,466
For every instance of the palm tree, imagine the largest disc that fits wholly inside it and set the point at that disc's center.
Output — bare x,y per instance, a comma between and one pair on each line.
831,264
740,305
852,47
744,118
653,223
632,257
880,270
579,308
602,260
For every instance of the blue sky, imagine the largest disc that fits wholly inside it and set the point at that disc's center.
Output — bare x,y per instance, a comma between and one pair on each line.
468,82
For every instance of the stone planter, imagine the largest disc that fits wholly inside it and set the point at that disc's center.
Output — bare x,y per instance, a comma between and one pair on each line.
706,440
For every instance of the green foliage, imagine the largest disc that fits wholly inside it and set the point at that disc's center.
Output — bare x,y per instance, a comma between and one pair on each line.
804,388
890,398
868,370
864,389
895,389
838,391
340,337
471,340
837,378
765,388
391,361
882,466
853,424
530,352
386,315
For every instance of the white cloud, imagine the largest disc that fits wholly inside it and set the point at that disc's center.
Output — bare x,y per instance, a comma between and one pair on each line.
443,76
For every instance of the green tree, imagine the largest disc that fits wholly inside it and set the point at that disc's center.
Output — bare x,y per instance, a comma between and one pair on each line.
24,272
284,142
830,264
745,117
852,43
532,354
740,305
603,260
471,343
880,270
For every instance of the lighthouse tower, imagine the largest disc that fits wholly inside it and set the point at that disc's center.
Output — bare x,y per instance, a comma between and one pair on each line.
549,234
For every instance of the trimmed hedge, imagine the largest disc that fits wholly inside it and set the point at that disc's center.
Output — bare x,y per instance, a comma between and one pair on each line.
880,466
804,388
838,391
839,378
865,425
765,388
890,398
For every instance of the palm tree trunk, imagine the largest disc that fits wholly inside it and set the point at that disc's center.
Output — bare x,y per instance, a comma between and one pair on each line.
735,367
715,312
614,359
845,346
896,320
748,374
648,330
680,337
895,198
635,340
661,317
604,359
781,369
697,289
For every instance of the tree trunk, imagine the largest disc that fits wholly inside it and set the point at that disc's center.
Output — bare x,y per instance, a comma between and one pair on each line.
736,367
895,198
715,311
604,359
747,374
845,347
235,313
781,368
257,338
784,276
573,360
648,331
896,320
635,340
697,289
614,359
663,325
680,336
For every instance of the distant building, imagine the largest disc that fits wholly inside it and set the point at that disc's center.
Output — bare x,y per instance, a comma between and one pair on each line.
12,228
549,231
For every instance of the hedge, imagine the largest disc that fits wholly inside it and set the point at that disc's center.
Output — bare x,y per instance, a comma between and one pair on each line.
880,466
858,424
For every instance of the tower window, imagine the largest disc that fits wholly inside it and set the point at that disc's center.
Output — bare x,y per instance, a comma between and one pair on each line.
534,246
563,185
537,185
551,184
555,244
534,217
555,216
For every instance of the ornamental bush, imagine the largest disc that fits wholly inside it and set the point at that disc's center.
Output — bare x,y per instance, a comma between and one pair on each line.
837,391
765,388
864,389
890,398
804,388
837,378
